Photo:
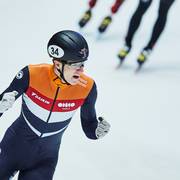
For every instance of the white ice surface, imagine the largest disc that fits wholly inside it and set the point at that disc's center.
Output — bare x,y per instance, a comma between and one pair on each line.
143,109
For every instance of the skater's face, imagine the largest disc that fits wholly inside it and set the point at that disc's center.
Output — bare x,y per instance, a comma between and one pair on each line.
71,72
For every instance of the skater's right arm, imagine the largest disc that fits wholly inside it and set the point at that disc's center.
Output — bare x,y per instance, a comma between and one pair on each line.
17,87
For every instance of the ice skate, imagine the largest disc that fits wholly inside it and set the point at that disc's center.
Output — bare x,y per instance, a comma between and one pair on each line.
142,58
104,24
85,19
122,54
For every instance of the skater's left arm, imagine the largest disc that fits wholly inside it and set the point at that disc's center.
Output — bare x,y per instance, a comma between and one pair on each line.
93,128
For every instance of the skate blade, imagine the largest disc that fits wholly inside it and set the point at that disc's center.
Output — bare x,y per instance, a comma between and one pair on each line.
137,70
98,36
80,29
120,64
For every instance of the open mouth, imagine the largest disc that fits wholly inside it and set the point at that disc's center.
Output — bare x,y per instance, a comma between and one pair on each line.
75,76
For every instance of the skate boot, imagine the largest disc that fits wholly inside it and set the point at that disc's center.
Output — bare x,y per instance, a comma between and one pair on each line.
142,58
104,24
123,53
85,19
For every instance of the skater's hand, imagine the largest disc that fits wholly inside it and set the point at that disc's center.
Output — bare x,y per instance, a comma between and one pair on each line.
102,128
7,101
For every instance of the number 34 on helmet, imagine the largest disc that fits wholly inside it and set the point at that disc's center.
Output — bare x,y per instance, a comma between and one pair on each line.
68,46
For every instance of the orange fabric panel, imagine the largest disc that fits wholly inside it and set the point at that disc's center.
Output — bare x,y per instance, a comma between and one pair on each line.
76,91
44,80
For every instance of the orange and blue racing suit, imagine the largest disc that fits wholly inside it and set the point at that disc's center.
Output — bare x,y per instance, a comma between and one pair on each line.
31,144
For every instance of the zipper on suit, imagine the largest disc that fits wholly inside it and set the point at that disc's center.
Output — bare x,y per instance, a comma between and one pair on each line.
51,107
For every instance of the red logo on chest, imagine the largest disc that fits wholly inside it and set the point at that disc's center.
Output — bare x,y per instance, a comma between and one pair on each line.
47,103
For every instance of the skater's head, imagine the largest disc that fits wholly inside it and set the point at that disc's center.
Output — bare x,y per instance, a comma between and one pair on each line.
69,51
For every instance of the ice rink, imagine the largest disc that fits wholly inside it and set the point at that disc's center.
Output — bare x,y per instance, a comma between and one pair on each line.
143,109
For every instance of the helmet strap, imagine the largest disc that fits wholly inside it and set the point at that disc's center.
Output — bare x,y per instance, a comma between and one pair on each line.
62,74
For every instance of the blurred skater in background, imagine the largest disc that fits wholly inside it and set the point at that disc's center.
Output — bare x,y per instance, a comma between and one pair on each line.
164,6
106,20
